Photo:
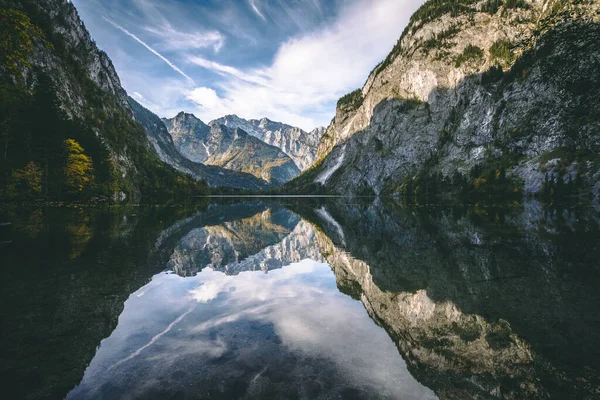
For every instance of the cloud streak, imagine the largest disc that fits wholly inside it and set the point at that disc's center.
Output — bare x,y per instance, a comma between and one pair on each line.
156,53
287,61
256,10
256,76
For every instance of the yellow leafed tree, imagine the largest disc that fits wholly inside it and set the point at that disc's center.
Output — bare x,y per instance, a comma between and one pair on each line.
79,170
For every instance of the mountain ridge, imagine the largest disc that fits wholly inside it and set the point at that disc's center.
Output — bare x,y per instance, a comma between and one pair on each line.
298,144
230,148
162,142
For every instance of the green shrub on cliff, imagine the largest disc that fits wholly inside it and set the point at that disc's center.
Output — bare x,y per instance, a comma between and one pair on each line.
353,99
17,35
470,53
502,50
492,6
516,4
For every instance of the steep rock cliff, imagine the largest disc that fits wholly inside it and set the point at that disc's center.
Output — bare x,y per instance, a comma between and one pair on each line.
478,97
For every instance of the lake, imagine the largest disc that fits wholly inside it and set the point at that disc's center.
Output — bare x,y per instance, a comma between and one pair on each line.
300,298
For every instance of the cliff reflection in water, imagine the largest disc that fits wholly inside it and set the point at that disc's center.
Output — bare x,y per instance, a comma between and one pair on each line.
475,302
270,239
218,327
496,302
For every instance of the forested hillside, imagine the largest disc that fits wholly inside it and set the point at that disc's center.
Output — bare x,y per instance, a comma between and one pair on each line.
65,123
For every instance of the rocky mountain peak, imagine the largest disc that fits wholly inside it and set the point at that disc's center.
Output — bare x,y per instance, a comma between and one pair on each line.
188,125
183,117
299,145
232,117
225,143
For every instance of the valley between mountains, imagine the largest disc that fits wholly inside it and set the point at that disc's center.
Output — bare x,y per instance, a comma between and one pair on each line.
479,98
438,239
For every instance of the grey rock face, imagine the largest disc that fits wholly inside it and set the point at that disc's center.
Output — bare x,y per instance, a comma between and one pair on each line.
425,112
189,135
231,148
299,145
65,21
162,142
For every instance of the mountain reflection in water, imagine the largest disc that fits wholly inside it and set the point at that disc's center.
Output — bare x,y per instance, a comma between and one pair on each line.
287,299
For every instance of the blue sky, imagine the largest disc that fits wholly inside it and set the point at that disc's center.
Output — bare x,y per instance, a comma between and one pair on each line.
288,60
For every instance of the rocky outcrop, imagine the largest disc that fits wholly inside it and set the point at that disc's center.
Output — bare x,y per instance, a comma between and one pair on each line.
164,147
62,21
190,135
299,145
230,148
477,96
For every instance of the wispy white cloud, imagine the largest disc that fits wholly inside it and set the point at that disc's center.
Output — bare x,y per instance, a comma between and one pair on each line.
291,66
175,40
156,53
309,73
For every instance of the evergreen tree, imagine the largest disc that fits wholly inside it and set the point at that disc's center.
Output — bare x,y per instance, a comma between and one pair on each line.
28,181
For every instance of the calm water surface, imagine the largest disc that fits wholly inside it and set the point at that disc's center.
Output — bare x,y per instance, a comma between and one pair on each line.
301,298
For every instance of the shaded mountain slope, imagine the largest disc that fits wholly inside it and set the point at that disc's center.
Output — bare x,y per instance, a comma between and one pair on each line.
474,99
67,128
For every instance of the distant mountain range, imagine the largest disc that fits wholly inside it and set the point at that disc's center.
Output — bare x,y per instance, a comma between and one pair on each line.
224,154
165,148
230,148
